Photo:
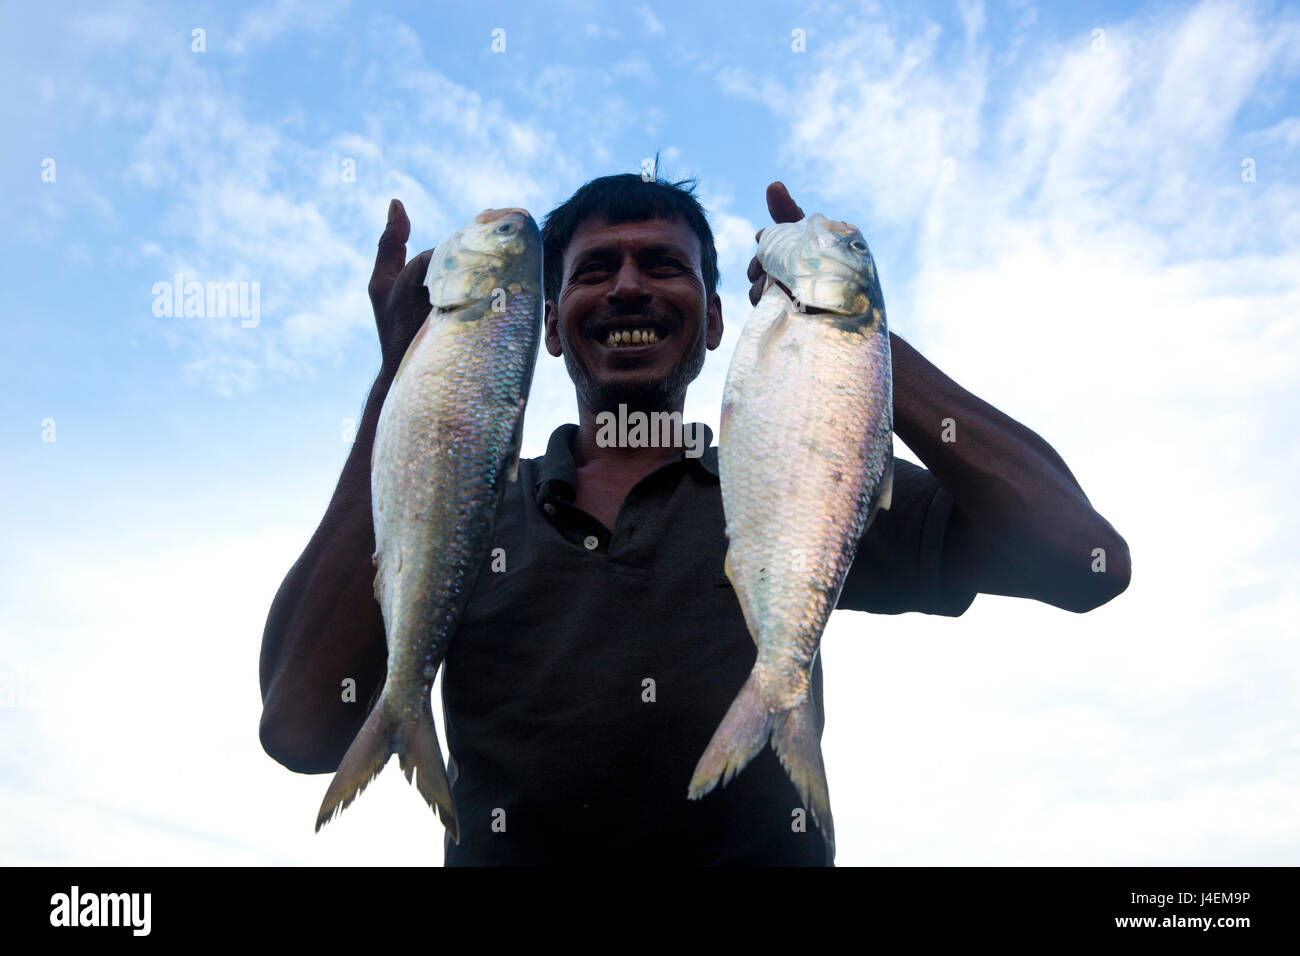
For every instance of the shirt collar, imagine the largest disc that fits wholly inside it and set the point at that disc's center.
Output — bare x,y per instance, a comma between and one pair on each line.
557,472
557,466
709,460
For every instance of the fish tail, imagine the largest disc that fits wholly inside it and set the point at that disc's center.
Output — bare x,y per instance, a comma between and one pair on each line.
415,741
739,737
418,751
795,740
364,759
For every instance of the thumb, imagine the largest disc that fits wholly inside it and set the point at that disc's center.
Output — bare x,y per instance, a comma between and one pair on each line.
780,205
391,256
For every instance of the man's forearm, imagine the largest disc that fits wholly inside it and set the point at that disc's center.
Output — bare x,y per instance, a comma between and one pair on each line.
1023,525
324,624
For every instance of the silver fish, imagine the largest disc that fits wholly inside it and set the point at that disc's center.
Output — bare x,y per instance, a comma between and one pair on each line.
805,458
445,446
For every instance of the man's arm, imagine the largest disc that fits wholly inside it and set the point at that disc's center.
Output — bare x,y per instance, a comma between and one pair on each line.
1020,524
325,624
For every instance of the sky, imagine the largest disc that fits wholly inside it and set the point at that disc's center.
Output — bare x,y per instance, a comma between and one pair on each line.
1088,217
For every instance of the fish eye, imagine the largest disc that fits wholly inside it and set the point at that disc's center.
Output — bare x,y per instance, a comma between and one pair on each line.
857,245
506,228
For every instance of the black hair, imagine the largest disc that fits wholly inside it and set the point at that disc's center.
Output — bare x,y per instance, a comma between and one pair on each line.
626,197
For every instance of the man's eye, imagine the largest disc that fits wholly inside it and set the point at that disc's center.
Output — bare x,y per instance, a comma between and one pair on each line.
663,262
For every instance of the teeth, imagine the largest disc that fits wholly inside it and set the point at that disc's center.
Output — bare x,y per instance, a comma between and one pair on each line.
631,337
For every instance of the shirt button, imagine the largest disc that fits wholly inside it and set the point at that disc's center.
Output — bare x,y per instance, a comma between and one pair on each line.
549,509
591,542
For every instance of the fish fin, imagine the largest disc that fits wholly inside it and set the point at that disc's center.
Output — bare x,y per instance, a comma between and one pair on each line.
418,751
773,332
724,420
794,738
516,442
887,485
736,742
366,756
750,621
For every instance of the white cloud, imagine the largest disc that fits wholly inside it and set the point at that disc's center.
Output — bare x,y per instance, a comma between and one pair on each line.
251,199
653,25
1286,131
140,747
733,237
1096,268
265,24
107,28
635,67
227,375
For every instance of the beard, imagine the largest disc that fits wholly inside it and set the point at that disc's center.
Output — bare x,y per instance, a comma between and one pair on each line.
663,395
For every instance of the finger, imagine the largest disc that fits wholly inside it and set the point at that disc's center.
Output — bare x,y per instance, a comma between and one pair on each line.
409,298
755,269
406,309
780,205
756,291
391,256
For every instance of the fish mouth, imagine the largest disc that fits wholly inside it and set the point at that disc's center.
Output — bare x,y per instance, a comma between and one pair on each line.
630,333
803,307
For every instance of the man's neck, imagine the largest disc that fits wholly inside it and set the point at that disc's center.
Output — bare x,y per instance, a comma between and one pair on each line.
608,464
610,438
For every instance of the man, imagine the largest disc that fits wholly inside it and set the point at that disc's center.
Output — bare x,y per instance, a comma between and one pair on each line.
586,678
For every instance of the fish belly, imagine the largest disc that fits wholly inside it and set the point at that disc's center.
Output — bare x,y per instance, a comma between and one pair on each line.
803,447
444,439
804,451
446,442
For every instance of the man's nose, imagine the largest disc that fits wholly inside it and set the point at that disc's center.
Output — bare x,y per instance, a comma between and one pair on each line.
629,284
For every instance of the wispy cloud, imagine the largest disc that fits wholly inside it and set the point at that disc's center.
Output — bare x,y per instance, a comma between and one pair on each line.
267,23
252,198
653,25
1087,254
1070,229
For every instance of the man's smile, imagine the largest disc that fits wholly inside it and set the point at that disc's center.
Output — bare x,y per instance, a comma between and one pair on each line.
630,332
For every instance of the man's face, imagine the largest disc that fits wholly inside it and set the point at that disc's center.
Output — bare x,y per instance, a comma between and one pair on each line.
634,280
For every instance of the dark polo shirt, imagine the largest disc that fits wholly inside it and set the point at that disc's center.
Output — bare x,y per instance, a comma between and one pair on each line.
586,678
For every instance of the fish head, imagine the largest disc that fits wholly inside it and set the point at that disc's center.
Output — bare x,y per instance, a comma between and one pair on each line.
822,264
499,247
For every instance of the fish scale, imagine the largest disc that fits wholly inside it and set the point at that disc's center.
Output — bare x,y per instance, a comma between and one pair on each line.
805,459
446,443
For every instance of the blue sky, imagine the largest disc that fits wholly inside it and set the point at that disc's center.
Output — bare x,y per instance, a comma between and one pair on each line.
1062,221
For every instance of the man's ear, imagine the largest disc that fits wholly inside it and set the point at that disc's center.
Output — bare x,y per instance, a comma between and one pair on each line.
552,329
713,334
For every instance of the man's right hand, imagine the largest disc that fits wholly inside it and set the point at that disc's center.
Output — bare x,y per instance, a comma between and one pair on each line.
397,290
783,209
